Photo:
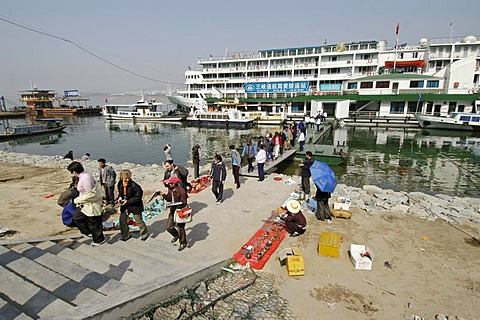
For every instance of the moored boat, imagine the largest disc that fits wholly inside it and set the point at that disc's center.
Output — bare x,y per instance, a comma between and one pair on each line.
455,121
229,118
42,126
143,110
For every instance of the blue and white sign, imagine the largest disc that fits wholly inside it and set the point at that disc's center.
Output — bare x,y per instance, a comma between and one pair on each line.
330,87
286,86
70,93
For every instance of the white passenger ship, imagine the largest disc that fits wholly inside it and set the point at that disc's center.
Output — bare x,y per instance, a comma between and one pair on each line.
364,78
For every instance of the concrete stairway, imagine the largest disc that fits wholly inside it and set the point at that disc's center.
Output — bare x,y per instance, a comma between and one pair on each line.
66,278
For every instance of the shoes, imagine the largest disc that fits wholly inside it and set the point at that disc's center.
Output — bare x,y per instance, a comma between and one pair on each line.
145,237
260,180
96,244
174,240
295,234
87,235
218,202
182,246
127,238
238,187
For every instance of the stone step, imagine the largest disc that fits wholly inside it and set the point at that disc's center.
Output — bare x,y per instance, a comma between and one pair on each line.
139,264
34,301
88,278
115,272
60,286
8,311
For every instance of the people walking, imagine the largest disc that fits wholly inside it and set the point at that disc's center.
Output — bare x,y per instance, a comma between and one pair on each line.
250,151
130,199
107,180
196,161
88,217
218,174
269,147
177,195
168,152
261,158
236,160
301,139
306,164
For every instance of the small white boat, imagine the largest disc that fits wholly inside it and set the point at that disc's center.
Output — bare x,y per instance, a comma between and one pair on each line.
229,118
456,121
141,111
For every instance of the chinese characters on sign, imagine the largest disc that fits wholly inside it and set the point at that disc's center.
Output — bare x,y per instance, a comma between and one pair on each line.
70,93
298,86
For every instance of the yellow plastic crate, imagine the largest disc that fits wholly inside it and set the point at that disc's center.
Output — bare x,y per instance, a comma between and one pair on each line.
329,244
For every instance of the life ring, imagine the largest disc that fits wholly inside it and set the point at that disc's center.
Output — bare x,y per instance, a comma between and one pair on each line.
369,60
306,64
369,73
257,67
304,76
256,78
341,47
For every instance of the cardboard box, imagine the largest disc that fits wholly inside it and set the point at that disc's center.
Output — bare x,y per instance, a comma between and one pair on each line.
359,258
293,258
329,244
342,203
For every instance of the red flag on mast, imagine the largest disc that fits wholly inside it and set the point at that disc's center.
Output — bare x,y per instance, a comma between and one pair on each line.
397,28
106,100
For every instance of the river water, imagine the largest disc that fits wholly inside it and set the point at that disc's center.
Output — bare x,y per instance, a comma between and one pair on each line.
399,159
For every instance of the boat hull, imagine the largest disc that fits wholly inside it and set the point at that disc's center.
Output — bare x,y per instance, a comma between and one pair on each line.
432,122
112,117
19,135
71,111
220,123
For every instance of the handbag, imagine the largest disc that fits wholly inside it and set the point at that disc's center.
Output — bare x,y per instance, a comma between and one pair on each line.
183,215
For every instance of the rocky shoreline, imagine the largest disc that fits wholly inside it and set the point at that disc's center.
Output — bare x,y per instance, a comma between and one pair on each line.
372,199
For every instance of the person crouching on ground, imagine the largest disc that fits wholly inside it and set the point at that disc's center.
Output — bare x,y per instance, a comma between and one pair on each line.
175,194
130,199
218,174
295,221
88,217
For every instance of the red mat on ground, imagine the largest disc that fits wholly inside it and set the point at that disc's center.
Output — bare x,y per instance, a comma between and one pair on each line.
200,184
270,233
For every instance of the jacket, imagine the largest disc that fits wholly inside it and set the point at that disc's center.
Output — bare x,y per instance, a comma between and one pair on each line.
236,158
90,203
107,176
298,218
180,172
195,156
218,172
177,194
307,163
250,150
133,196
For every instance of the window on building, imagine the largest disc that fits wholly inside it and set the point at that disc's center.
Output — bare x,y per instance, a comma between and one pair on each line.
452,106
416,84
433,83
333,70
366,85
397,107
461,108
415,106
352,85
382,84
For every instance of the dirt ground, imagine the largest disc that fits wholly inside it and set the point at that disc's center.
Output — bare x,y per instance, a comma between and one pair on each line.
420,267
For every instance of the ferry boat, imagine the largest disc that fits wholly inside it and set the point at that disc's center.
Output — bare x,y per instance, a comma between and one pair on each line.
143,110
46,103
41,127
229,118
343,79
455,121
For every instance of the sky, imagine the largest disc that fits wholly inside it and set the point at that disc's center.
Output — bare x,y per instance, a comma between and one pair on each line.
160,39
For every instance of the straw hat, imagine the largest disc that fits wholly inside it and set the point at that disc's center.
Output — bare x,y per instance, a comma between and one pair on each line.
173,180
293,206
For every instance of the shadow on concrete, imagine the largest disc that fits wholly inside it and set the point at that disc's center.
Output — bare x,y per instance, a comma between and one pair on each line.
157,227
197,232
197,207
227,193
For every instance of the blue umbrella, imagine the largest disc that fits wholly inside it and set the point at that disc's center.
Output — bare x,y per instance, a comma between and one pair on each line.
323,176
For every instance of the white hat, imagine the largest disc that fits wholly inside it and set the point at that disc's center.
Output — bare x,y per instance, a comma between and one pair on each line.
293,206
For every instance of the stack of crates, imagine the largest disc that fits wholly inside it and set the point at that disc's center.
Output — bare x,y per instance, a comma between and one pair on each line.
329,244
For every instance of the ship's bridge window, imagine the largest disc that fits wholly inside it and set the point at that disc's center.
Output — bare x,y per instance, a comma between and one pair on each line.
433,83
352,85
382,84
465,118
475,119
416,84
366,85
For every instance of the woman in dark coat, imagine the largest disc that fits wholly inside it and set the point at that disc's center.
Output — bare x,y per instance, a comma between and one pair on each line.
130,198
323,209
294,219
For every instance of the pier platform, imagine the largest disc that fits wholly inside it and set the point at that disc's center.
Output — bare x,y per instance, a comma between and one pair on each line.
269,165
